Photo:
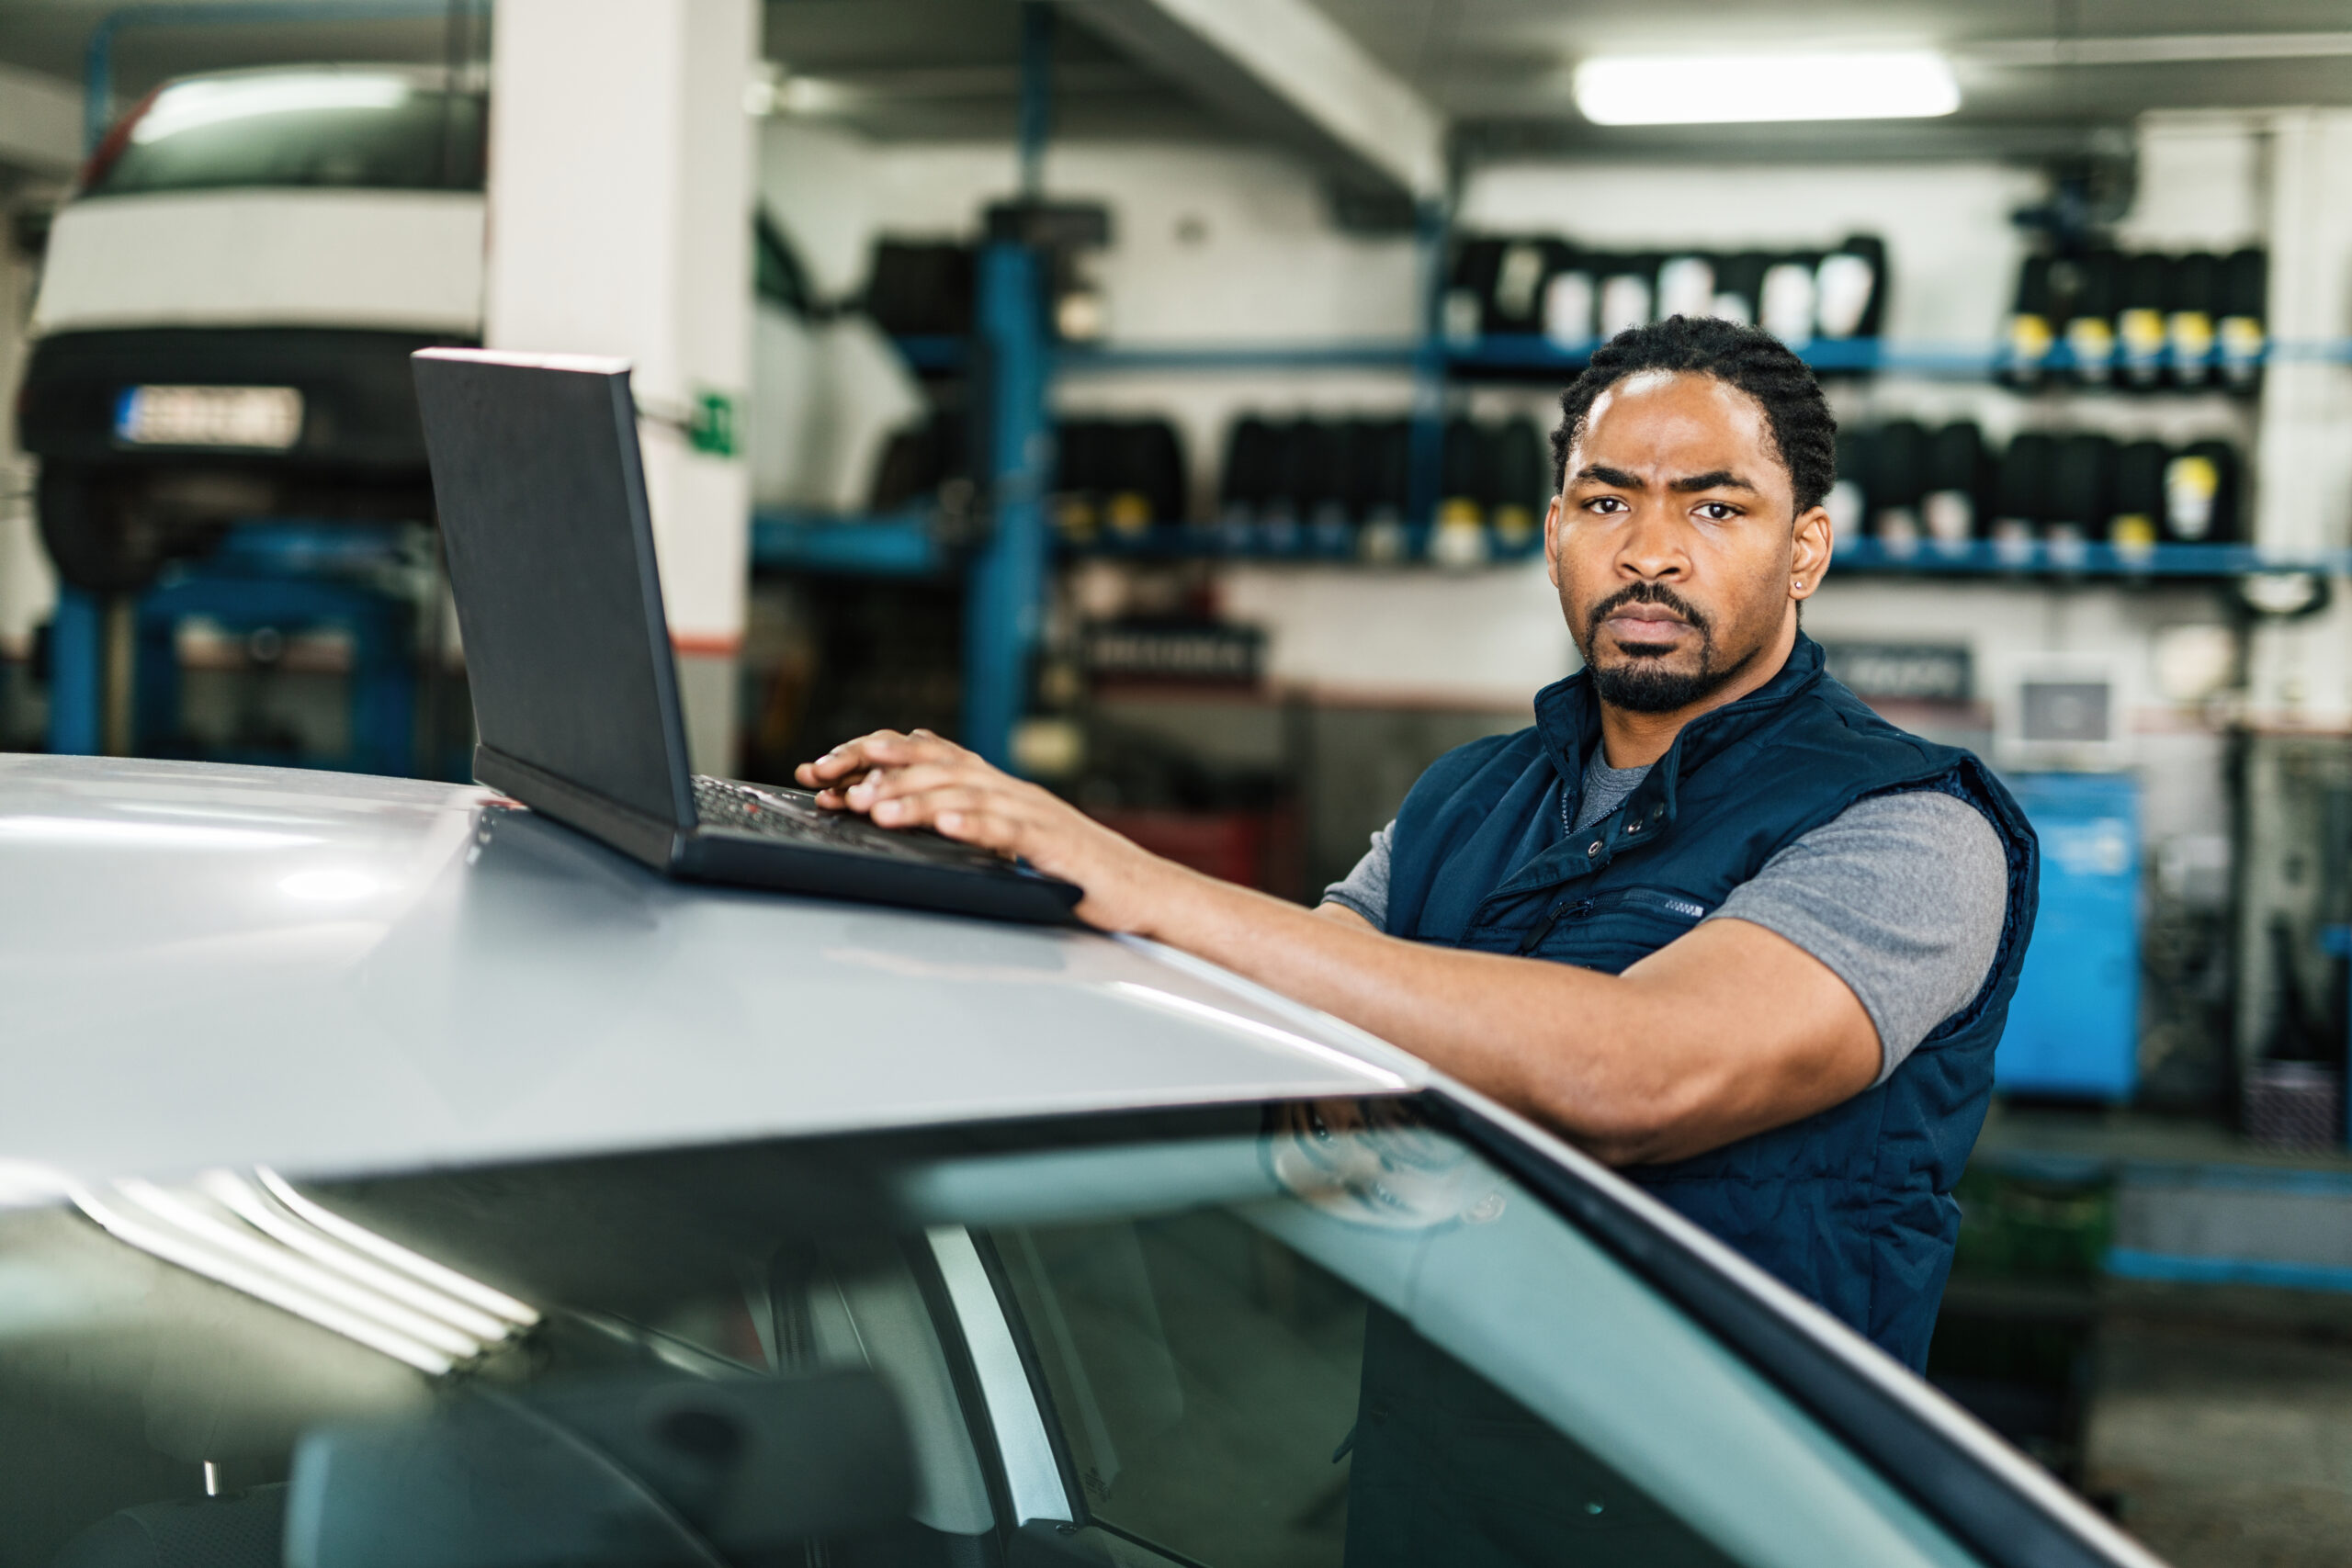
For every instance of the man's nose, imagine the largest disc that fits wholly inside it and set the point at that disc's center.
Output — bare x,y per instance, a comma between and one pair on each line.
1651,549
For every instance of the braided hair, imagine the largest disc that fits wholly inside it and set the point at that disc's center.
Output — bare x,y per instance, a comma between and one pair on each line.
1747,358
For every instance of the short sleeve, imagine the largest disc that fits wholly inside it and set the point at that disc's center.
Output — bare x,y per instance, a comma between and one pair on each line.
1904,897
1365,889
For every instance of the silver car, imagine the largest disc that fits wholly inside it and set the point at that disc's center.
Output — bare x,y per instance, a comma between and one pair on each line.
393,1177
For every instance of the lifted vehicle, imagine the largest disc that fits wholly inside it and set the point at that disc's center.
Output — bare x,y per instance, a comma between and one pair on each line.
229,303
231,298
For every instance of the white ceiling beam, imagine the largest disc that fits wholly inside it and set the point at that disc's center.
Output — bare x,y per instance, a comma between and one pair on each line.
1285,69
41,123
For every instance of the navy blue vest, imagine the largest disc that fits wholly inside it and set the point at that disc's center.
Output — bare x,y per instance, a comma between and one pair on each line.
1851,1207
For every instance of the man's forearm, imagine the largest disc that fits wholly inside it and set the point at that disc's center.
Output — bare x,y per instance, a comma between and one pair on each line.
1637,1067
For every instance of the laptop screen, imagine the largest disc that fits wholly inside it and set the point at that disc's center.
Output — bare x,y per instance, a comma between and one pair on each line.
536,474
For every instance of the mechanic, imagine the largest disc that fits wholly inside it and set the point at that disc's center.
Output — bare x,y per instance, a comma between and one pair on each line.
1710,917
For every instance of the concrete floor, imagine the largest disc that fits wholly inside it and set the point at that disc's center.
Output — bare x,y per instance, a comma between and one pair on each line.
2219,1426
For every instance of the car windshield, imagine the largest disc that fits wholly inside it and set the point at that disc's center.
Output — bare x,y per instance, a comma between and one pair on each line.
343,129
1317,1334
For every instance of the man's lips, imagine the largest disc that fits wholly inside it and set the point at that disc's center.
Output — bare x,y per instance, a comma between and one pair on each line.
1646,621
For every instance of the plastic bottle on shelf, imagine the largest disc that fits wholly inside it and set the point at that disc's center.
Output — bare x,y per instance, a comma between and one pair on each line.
2142,284
2022,497
1322,487
1251,456
1740,284
1383,538
1522,484
1686,286
1461,309
1955,473
1849,289
2242,331
2136,506
1628,294
1279,529
1514,301
1898,471
2082,473
1458,537
1571,298
2090,313
2200,494
2192,288
1786,307
2032,327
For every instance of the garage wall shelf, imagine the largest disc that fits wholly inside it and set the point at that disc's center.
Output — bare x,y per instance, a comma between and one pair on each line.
2086,561
1530,357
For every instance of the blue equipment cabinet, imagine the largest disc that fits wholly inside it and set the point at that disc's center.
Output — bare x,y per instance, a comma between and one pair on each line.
2074,1029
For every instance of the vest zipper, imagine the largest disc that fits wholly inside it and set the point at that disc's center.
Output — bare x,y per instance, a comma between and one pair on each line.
1562,912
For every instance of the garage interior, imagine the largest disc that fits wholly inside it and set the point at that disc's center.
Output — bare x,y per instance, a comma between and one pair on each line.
1152,394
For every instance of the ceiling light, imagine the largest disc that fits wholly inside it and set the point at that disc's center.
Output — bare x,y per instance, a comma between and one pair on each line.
1724,89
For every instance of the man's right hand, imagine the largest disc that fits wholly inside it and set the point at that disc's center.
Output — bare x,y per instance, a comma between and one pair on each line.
923,781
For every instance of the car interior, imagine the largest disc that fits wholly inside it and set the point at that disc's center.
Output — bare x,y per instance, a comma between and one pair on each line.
1255,1336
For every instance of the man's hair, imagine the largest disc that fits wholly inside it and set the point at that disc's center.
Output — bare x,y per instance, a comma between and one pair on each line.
1747,358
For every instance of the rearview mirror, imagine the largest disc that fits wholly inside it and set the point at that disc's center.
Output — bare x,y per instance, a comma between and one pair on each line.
635,1471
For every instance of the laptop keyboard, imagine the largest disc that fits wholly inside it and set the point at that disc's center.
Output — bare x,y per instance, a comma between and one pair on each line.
794,816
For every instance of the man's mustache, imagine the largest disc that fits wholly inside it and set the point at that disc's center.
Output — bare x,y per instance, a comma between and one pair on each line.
1645,593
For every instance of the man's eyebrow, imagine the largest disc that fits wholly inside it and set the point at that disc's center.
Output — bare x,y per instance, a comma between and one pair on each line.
1609,476
1717,478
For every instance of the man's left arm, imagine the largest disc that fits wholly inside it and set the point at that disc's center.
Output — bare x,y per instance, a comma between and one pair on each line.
1729,1030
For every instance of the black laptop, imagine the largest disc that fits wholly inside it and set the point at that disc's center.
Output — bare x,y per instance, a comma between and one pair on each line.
541,490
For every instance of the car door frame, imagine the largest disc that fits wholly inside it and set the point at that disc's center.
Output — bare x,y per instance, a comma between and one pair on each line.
1991,1499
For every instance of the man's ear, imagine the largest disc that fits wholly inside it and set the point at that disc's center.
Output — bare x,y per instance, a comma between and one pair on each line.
1552,541
1816,537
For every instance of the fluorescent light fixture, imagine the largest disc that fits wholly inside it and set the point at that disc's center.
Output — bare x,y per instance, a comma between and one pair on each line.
212,102
298,1257
1727,89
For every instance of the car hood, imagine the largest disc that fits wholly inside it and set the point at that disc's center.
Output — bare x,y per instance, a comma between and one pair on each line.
333,975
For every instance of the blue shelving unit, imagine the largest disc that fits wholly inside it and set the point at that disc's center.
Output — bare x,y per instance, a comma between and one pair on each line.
905,545
1986,558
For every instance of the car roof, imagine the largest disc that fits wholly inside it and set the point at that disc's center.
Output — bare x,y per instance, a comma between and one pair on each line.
206,965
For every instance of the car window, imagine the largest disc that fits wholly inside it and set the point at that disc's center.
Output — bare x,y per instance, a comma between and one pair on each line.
345,130
1301,1335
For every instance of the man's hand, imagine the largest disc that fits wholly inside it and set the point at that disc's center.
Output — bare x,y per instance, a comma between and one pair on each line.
1730,1030
922,781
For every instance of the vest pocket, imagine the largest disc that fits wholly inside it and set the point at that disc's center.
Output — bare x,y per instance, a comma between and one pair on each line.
1599,931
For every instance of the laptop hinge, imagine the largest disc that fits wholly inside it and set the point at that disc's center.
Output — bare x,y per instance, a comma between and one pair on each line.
631,831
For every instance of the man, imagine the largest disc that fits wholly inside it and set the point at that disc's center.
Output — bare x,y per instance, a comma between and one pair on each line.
1710,918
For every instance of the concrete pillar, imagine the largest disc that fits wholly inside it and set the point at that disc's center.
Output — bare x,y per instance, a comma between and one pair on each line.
621,187
2300,672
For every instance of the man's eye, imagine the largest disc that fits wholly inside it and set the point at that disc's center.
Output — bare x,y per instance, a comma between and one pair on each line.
1605,504
1717,511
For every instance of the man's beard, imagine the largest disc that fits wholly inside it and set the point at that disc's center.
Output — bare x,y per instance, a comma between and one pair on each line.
1641,682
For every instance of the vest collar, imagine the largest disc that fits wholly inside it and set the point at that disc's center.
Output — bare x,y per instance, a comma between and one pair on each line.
1568,718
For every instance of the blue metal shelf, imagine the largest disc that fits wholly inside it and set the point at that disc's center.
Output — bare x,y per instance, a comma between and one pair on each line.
1984,558
1260,542
904,544
1526,354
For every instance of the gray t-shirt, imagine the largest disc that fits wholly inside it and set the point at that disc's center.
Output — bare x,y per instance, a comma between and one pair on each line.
1904,897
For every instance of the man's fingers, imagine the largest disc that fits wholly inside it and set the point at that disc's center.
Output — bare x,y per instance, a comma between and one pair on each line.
845,763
